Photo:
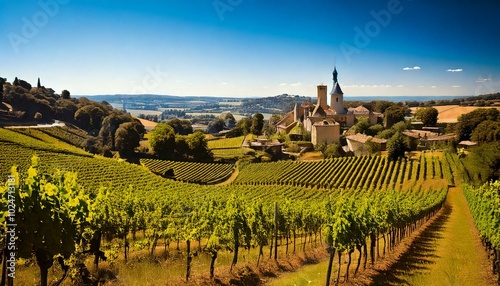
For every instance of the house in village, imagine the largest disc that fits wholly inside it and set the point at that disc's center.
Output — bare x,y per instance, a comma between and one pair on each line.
357,144
324,122
466,144
425,139
273,147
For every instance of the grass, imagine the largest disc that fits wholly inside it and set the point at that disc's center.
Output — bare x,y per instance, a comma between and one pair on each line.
307,275
314,155
170,269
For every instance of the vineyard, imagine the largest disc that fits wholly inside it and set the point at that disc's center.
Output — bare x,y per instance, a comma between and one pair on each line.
368,173
37,140
246,216
73,136
232,152
190,172
226,143
363,204
484,203
229,148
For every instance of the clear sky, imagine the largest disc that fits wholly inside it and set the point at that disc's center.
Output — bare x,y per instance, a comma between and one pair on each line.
253,47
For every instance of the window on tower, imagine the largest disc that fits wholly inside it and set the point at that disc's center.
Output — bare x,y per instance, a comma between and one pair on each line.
337,99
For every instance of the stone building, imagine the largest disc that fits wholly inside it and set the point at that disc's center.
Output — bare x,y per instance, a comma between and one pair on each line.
324,122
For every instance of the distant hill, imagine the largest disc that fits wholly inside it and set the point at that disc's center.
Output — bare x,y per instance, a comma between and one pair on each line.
24,104
274,104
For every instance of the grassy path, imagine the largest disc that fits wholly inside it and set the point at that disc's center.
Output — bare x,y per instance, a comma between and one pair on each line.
448,252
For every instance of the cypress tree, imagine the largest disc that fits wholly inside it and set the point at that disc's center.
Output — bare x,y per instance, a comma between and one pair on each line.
2,81
38,83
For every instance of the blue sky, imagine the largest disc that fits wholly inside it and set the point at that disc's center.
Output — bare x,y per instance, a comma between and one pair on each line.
253,47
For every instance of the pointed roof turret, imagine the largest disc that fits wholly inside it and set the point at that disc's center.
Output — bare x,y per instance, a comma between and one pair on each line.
336,89
336,86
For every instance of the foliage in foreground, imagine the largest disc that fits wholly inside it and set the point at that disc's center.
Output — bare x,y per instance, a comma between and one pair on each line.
484,204
50,215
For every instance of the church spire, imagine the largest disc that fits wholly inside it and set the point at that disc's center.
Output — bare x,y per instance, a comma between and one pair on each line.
336,86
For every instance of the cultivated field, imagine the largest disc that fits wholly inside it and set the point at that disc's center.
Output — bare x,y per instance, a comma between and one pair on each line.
450,113
149,125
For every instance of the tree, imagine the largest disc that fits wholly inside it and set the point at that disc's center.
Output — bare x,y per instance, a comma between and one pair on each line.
486,131
372,147
229,119
242,128
469,121
162,140
182,150
401,126
270,125
51,216
362,125
394,114
65,94
198,147
244,124
427,115
24,84
483,163
215,126
92,145
257,124
110,124
65,110
333,150
381,105
2,81
16,82
182,127
83,118
375,129
38,85
396,147
89,117
127,138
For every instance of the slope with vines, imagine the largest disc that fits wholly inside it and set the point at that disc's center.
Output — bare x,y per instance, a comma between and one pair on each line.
190,172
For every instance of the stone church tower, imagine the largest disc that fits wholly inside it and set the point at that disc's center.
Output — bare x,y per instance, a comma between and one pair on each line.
336,95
